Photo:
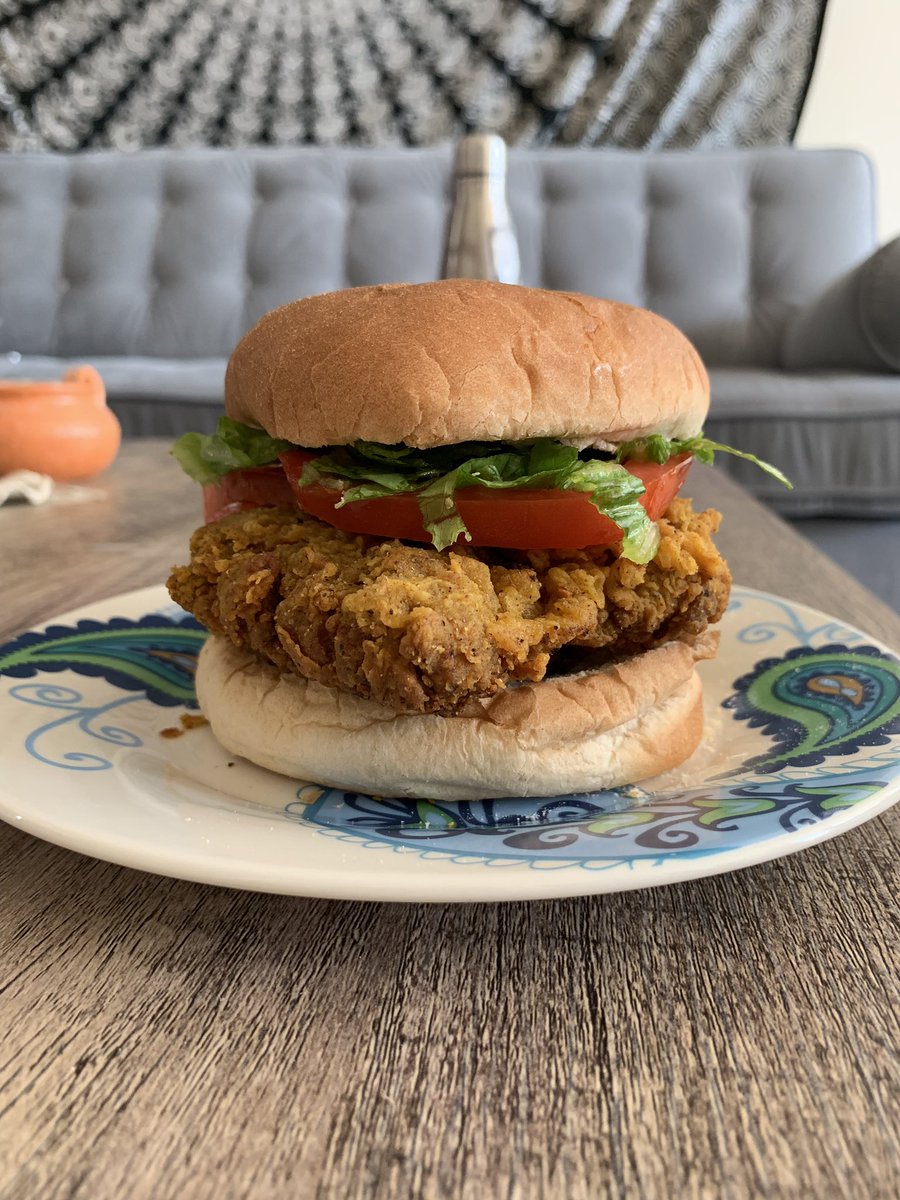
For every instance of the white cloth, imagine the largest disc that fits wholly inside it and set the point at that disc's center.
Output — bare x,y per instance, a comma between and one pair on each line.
26,485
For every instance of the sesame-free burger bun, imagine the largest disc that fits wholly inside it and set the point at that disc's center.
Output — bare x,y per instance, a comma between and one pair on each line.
432,364
584,732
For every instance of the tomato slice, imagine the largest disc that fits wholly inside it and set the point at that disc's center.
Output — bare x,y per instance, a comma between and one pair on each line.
516,519
250,487
526,519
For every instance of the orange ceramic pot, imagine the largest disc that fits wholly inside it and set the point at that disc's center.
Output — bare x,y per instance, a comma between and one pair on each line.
60,428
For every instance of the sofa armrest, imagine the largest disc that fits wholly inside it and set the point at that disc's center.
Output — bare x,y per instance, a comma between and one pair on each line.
854,323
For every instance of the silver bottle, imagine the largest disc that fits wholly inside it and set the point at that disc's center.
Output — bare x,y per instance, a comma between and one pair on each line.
481,241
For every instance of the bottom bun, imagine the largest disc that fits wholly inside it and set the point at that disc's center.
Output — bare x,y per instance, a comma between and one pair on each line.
578,733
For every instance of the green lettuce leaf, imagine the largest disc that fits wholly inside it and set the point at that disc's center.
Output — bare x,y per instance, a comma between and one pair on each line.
207,457
659,449
371,471
436,475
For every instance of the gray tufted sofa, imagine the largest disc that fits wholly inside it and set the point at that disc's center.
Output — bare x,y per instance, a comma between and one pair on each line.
152,265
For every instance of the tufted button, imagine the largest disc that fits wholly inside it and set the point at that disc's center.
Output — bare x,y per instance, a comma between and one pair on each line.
172,192
660,193
265,188
553,190
80,192
360,188
758,195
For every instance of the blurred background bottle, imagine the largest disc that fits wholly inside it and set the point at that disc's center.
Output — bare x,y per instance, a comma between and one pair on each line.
481,241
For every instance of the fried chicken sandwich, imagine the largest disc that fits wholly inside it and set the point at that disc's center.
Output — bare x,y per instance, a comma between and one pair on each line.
445,552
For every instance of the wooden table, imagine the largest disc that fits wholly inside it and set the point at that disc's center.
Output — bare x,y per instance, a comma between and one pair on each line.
731,1037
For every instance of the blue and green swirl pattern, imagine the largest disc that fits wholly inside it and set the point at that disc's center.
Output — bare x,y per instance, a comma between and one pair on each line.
819,702
154,655
814,705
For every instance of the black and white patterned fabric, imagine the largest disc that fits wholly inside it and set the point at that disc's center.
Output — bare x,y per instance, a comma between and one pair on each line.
637,73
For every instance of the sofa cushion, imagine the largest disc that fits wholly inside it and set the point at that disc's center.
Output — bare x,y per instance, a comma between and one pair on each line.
881,304
726,244
835,434
854,323
166,379
174,254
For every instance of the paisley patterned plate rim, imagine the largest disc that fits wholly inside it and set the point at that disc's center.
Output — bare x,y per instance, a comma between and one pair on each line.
137,814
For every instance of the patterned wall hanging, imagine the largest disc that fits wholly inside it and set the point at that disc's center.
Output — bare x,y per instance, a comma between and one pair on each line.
119,73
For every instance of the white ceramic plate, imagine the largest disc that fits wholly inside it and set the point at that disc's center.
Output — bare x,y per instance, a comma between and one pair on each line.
802,742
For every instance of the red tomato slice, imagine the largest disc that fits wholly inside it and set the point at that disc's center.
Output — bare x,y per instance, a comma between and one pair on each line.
250,487
517,520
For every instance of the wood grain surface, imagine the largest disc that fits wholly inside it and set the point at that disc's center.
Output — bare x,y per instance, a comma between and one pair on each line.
731,1037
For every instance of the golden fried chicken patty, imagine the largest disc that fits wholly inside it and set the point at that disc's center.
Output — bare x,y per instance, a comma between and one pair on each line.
425,631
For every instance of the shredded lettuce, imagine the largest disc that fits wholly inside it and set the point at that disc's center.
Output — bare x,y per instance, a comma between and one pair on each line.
659,449
436,475
207,457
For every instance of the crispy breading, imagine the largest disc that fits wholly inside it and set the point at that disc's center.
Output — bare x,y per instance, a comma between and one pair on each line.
425,631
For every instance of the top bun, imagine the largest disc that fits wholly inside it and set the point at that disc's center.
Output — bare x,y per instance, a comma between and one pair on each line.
430,364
